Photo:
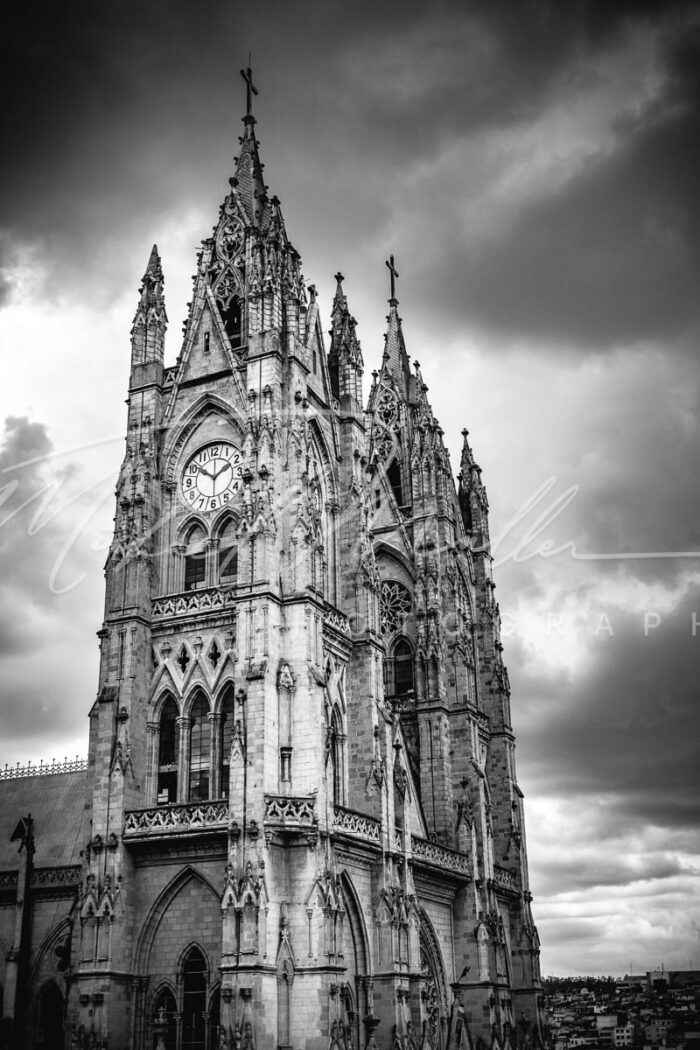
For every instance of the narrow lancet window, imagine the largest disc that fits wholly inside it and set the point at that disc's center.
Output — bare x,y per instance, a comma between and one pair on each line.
199,750
167,754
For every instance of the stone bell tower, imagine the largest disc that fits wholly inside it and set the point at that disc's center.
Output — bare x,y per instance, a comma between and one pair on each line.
305,828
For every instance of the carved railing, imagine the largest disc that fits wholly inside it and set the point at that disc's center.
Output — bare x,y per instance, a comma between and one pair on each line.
440,856
336,620
397,844
205,599
169,375
48,877
295,811
505,880
8,880
68,765
169,820
352,823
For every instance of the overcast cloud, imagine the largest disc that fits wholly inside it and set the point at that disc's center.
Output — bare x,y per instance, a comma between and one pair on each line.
534,169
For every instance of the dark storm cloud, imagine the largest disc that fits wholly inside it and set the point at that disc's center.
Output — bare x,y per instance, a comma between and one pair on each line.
625,726
38,624
122,113
612,256
594,869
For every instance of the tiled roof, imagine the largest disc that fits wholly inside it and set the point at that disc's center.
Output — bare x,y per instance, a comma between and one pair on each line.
56,803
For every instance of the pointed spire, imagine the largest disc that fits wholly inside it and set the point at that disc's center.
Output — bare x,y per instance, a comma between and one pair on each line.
395,357
345,364
150,319
396,360
248,180
471,495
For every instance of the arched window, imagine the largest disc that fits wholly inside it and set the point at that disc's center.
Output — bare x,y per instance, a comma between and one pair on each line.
199,749
228,554
393,473
165,1013
195,559
227,715
334,759
404,679
167,753
51,1011
194,1000
232,316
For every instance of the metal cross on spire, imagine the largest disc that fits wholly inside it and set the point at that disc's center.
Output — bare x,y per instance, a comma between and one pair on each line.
394,274
251,89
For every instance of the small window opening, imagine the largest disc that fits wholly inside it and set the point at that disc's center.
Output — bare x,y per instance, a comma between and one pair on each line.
207,346
232,316
194,1001
199,750
195,561
228,555
167,754
404,682
394,475
227,711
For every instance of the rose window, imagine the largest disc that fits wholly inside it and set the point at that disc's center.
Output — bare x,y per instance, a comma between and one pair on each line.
394,606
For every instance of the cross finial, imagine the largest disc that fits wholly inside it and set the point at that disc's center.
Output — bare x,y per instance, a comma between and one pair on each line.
251,89
394,274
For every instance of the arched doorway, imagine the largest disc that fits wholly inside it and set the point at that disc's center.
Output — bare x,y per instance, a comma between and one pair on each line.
50,1018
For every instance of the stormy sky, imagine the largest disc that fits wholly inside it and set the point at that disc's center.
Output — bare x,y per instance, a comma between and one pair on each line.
534,168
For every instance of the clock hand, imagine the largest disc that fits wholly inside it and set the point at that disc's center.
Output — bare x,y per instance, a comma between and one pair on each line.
203,471
225,467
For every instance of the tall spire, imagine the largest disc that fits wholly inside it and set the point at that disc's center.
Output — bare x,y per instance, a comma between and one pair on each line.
345,364
395,356
248,179
150,319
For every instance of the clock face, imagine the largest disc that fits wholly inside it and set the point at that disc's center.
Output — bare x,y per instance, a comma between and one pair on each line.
212,476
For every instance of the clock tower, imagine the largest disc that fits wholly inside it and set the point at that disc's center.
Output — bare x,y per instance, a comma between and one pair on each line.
305,825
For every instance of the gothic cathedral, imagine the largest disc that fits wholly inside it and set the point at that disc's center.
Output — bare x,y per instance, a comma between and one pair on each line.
303,825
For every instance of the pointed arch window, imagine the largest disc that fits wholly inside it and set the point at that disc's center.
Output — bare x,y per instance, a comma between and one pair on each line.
165,1013
199,750
404,676
167,753
228,554
195,559
334,758
226,737
393,473
232,316
194,1001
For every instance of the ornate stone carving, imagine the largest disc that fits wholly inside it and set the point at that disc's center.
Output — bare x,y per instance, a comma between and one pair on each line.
166,820
441,856
290,810
352,823
206,600
395,606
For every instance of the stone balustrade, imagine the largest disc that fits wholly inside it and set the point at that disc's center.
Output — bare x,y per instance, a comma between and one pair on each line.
295,811
204,599
349,822
181,819
440,856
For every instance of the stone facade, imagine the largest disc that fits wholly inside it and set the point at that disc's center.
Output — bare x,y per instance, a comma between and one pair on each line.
304,824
